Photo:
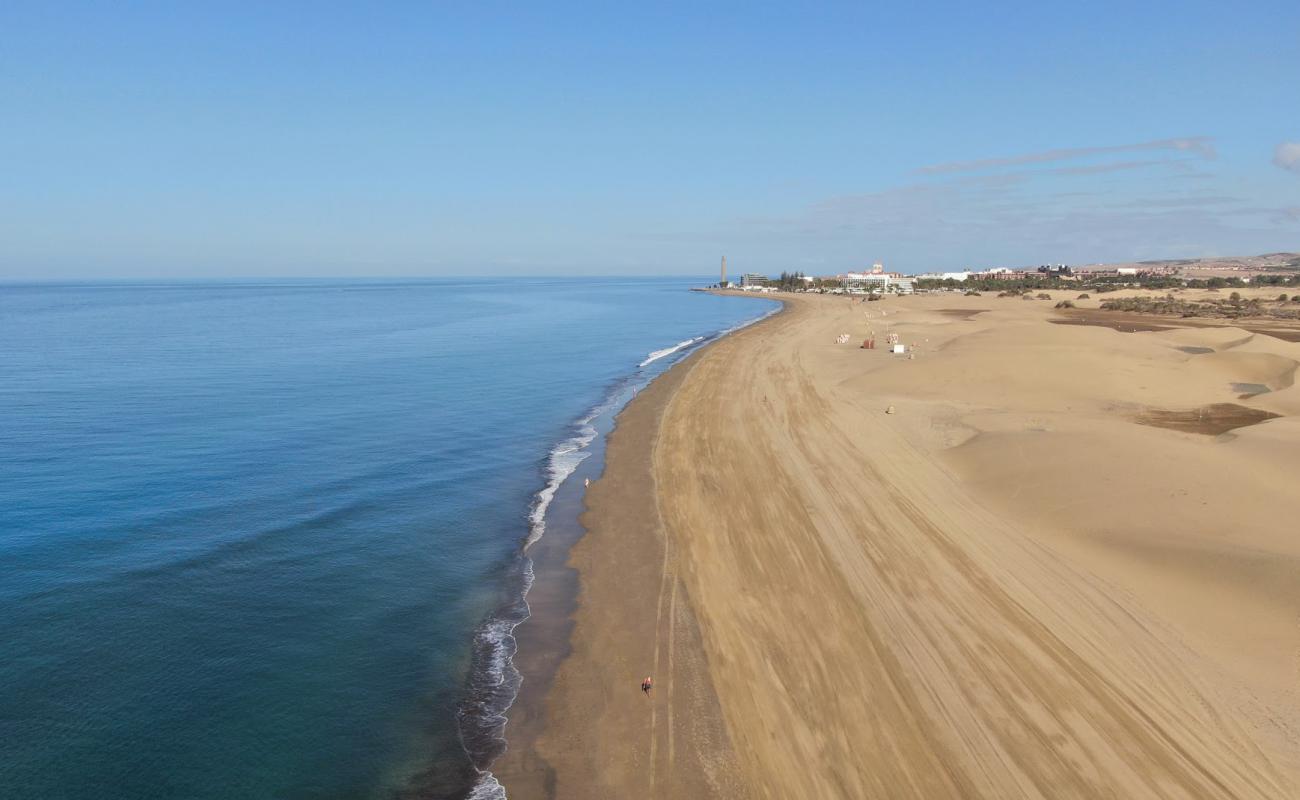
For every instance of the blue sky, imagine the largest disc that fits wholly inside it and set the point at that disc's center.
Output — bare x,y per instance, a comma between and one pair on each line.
282,139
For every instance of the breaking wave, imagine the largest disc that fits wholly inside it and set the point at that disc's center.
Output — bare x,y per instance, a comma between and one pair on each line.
667,351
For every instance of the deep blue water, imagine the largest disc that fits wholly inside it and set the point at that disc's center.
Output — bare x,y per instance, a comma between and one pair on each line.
248,532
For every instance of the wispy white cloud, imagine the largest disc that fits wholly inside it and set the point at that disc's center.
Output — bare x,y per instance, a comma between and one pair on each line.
950,223
1280,216
1287,156
1202,146
995,179
1039,211
1097,169
1178,202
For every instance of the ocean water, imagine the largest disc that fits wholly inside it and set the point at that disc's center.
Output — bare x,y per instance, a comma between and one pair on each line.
264,540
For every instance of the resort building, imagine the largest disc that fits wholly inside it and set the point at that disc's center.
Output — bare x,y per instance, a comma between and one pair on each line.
1004,274
864,282
868,282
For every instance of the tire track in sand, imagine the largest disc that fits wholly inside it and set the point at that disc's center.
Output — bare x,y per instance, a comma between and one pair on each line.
664,578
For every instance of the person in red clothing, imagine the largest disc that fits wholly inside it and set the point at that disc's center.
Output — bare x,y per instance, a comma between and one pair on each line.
647,685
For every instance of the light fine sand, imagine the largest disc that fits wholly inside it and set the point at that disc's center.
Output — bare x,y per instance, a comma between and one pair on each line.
1021,583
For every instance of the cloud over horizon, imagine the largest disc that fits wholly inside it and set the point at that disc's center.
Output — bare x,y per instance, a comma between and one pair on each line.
1202,146
1287,156
1018,218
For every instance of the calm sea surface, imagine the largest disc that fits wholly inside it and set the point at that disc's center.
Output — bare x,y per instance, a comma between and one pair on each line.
249,534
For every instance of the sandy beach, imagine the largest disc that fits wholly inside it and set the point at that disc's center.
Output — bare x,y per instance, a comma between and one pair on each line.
1064,566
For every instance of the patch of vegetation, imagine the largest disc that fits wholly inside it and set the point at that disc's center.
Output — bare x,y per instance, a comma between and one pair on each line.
1104,283
790,281
1084,296
1065,304
1172,306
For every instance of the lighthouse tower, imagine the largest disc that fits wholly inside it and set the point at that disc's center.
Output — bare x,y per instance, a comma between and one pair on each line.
723,282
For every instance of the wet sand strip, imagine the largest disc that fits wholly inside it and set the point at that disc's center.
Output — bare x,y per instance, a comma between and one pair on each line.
608,609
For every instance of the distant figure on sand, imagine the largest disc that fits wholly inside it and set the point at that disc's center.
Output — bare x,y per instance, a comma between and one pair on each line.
647,685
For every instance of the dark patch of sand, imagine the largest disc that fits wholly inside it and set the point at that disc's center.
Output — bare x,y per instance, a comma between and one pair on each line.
1211,420
1126,323
1248,390
962,313
1129,322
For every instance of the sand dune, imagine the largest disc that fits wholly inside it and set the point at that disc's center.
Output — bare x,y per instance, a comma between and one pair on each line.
1010,587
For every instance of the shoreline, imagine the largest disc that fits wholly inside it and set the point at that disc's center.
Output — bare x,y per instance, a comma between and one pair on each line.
970,638
544,643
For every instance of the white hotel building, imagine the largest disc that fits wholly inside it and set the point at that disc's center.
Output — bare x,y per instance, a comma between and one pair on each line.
867,282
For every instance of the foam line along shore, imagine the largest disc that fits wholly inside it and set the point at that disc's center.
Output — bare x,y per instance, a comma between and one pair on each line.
520,660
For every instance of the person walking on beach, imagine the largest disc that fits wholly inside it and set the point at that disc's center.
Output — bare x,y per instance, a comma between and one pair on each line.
647,685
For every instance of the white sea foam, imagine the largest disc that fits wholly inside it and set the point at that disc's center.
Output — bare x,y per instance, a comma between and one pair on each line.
493,687
667,351
487,788
564,458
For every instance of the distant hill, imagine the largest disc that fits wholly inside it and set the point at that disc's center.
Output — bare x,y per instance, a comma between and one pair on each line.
1209,267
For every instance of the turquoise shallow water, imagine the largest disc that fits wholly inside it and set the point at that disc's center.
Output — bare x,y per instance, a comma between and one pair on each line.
248,533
